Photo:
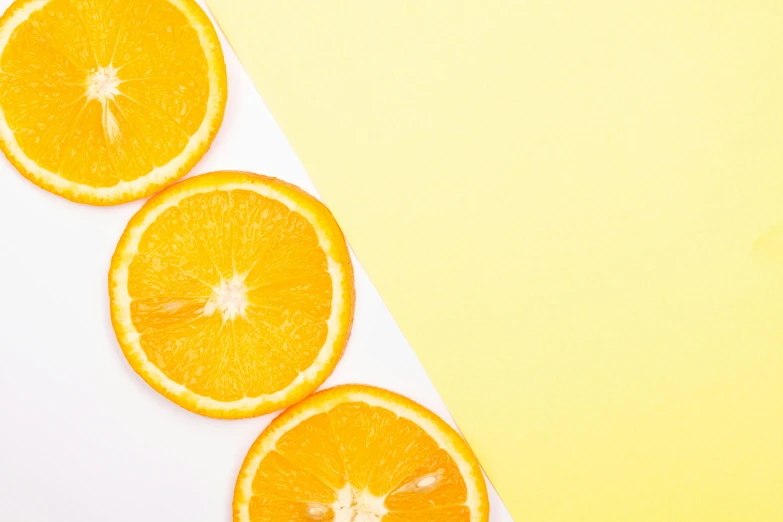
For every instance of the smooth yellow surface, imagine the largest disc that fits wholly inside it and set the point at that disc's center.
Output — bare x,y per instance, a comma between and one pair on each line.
570,208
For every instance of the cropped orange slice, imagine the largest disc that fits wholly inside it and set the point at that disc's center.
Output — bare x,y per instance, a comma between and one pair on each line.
360,454
106,101
232,294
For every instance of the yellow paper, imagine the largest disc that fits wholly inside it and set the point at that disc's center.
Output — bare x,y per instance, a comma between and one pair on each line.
574,210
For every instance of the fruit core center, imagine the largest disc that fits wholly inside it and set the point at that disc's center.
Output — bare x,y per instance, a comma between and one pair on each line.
102,84
229,298
351,506
354,505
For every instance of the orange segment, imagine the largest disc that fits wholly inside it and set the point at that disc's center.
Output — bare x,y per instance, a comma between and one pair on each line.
278,477
360,454
31,55
275,510
160,138
359,430
396,465
151,41
85,158
450,514
105,101
44,139
182,100
60,24
308,449
232,294
415,492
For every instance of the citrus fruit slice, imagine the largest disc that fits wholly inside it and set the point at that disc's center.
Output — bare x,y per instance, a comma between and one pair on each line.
360,454
232,294
105,101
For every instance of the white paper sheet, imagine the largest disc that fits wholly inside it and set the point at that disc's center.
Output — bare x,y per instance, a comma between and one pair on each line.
82,437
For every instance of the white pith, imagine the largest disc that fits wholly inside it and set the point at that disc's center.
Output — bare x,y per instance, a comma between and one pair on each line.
229,298
356,506
103,85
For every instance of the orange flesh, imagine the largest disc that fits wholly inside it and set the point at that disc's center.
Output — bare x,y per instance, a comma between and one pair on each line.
326,466
101,92
230,294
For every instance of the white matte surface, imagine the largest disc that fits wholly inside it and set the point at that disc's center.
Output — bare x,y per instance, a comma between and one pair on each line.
82,437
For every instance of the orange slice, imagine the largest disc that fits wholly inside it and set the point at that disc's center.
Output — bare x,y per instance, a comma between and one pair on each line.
360,454
232,294
105,101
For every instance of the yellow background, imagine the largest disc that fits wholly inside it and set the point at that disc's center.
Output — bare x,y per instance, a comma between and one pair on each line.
574,210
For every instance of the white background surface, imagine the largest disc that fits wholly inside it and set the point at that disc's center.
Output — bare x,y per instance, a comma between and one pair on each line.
82,437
